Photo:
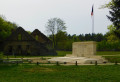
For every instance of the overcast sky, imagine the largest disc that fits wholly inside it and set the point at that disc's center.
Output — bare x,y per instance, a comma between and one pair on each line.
34,14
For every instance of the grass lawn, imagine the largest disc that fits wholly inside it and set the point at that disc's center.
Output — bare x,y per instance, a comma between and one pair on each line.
63,53
33,73
112,59
108,53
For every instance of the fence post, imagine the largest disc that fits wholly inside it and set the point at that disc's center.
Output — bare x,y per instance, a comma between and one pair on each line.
65,62
17,63
96,63
15,56
76,63
49,62
116,63
22,60
57,63
91,62
7,57
37,63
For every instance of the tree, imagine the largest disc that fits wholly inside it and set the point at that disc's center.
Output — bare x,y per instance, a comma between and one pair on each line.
81,37
5,29
110,35
61,39
114,7
54,25
99,37
88,37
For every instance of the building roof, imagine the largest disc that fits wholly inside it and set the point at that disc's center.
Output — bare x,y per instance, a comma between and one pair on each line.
24,35
41,35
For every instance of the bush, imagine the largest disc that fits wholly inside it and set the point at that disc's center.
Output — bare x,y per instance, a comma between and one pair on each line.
108,46
1,56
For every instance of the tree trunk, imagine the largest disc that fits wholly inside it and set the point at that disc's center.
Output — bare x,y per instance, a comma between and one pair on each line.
53,41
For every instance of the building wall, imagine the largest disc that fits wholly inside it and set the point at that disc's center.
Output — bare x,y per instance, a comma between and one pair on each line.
23,48
22,43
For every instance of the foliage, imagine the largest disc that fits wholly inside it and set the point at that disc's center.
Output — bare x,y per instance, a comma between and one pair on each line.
1,55
5,28
107,5
55,25
33,73
63,53
63,41
110,35
114,17
28,32
107,46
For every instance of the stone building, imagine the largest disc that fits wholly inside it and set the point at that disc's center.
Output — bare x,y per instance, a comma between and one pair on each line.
40,37
22,43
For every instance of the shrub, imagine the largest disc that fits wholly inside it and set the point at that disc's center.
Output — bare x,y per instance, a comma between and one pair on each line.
1,56
108,46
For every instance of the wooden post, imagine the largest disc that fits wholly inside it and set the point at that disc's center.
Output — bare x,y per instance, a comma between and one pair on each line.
37,63
57,63
65,62
7,57
96,63
76,63
91,62
116,63
49,62
17,63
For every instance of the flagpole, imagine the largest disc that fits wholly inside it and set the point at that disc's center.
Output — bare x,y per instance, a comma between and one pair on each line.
93,21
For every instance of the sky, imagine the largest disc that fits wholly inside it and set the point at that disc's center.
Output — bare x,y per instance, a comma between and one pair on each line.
34,14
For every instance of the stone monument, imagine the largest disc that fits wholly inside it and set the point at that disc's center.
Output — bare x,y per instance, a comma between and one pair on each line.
84,49
82,52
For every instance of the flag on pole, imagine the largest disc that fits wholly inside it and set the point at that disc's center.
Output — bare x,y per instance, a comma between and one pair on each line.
92,11
92,15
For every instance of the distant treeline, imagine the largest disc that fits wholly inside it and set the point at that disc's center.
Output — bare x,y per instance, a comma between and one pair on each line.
63,41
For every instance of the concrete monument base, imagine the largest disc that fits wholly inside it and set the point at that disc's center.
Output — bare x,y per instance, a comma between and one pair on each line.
80,60
82,52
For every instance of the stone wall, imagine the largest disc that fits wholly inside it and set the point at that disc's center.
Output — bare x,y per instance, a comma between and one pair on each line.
84,49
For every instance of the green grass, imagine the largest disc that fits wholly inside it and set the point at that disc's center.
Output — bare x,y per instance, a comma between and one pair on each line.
108,53
115,55
112,59
33,73
63,53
